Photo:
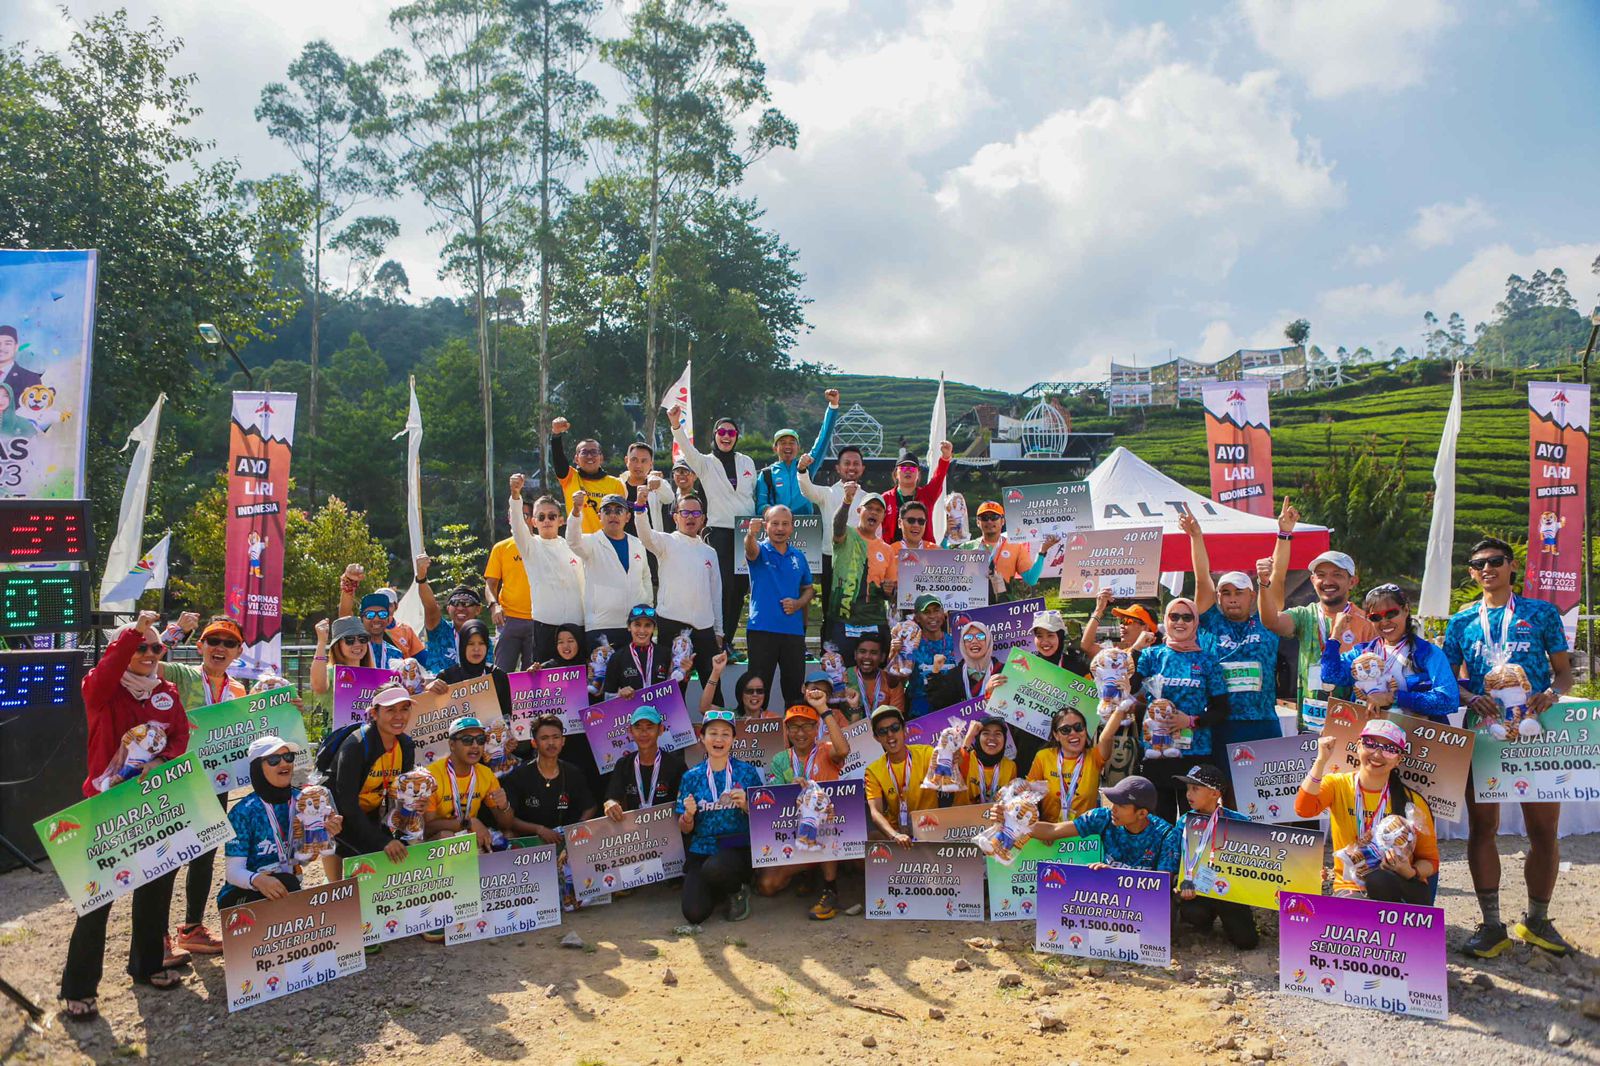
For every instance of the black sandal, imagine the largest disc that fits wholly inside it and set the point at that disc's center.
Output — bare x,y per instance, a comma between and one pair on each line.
86,1009
164,980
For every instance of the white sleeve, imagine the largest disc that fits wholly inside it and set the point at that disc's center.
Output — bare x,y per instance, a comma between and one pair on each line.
811,491
699,463
237,873
714,580
653,541
575,538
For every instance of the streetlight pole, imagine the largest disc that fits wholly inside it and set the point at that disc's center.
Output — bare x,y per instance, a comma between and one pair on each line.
1588,507
213,336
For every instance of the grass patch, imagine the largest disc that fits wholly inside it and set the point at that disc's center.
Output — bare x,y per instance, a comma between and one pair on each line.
735,941
8,937
783,1002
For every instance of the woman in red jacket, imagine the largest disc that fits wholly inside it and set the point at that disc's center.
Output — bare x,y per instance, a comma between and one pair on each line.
122,691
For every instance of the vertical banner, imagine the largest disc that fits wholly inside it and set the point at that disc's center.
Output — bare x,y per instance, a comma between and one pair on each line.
1239,443
47,304
261,443
1558,476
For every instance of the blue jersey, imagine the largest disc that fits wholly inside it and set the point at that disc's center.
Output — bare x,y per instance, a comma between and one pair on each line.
253,839
776,576
1248,654
1533,635
1188,680
1159,847
714,820
922,658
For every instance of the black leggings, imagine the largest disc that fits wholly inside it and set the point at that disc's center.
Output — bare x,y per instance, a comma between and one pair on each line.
1172,800
710,879
197,880
1386,886
1238,923
86,953
786,652
734,586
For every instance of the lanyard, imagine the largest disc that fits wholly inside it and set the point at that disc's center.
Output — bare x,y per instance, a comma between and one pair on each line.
1363,819
1202,850
987,789
810,763
877,690
277,834
902,790
711,782
1070,791
966,680
647,669
1325,624
647,798
455,792
1492,646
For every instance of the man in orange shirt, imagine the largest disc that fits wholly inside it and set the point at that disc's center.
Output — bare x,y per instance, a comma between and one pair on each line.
1008,562
511,601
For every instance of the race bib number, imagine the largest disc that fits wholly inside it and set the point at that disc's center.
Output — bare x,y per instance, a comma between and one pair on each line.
1313,715
1242,676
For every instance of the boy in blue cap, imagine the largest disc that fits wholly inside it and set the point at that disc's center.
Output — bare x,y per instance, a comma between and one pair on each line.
648,776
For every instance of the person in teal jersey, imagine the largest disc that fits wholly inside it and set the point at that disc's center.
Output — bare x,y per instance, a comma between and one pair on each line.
779,481
1424,683
713,814
1231,629
1529,633
1189,677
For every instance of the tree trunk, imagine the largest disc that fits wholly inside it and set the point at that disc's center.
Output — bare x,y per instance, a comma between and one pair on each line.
487,395
648,400
542,427
316,340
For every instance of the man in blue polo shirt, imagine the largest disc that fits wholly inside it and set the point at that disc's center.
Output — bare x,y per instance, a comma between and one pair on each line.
780,590
1526,632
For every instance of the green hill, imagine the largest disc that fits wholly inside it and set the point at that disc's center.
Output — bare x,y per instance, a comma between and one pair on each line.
904,404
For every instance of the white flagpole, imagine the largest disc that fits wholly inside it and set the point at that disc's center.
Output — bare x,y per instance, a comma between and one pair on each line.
410,610
1435,599
936,436
126,546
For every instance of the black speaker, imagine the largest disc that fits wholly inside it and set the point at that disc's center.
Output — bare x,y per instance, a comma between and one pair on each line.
43,734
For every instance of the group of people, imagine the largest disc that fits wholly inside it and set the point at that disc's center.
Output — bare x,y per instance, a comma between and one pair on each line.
599,568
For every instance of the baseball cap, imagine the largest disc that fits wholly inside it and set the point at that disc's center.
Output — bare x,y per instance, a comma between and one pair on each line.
388,697
1205,775
1049,620
785,432
1137,613
991,507
376,600
871,497
800,710
464,723
1136,790
348,626
1383,729
645,714
267,745
682,464
926,600
611,499
908,459
1238,579
226,626
818,677
885,710
1339,559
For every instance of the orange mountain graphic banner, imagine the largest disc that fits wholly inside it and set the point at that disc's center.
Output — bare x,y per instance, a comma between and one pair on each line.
1239,440
1558,477
260,446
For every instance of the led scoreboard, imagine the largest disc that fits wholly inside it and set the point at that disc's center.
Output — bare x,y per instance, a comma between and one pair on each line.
45,531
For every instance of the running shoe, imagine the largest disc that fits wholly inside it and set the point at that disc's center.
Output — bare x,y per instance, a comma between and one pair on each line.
1541,933
739,904
827,905
1487,941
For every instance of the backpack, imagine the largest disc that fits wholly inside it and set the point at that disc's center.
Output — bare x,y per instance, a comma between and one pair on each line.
328,749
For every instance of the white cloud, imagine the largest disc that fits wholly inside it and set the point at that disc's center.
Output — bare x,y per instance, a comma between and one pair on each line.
1445,223
1350,45
1364,255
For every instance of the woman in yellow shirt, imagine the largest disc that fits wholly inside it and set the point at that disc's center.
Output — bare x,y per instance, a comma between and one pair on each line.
1071,765
984,763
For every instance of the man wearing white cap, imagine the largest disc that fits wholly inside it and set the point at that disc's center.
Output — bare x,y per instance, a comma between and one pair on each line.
1331,617
1231,629
260,858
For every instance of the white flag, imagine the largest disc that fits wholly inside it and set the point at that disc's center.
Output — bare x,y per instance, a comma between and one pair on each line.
936,433
1435,599
678,396
123,557
410,610
150,572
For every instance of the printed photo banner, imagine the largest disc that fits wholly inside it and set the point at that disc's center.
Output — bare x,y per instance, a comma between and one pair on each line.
924,882
519,891
275,947
47,305
1560,765
957,576
1010,624
1014,889
221,733
431,715
434,887
1267,774
606,724
757,742
780,836
1239,444
562,691
106,846
1112,913
1435,768
1359,953
807,536
261,443
864,750
1126,561
353,689
1034,512
609,856
1033,690
1558,479
1248,862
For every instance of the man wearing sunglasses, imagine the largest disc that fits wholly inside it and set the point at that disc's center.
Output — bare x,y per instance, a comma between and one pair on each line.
588,476
466,790
380,623
374,614
728,478
615,576
1526,632
689,589
894,781
1013,568
907,473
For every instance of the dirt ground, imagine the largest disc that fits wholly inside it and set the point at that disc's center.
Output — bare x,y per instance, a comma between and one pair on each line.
778,987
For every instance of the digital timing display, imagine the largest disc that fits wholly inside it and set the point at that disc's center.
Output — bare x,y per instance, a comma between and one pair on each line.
38,678
45,531
43,601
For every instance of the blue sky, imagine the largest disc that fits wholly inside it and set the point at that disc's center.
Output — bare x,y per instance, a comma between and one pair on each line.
1019,189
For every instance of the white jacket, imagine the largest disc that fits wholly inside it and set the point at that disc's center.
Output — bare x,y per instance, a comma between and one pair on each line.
828,498
555,576
690,578
609,592
724,502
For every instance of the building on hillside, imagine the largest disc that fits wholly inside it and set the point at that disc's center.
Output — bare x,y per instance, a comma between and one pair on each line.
1167,384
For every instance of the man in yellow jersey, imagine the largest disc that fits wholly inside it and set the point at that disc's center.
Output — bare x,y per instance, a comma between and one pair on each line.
465,788
586,473
894,782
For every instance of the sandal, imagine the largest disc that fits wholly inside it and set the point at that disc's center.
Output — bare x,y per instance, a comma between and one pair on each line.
81,1010
165,980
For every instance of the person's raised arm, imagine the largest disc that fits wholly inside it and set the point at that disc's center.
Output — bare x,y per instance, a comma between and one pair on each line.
349,581
103,681
559,466
1271,599
521,535
752,530
1108,734
836,738
319,676
713,686
431,612
1308,802
1090,642
830,418
657,542
810,489
841,517
702,465
935,486
575,538
1205,590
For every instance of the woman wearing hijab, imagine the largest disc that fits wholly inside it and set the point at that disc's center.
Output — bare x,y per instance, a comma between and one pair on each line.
971,677
122,691
1418,677
729,478
984,762
472,650
1190,678
568,643
260,857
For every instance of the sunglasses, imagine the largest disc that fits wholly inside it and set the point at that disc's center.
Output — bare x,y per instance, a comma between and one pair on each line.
588,451
279,758
915,521
551,516
975,638
1488,562
375,612
718,716
1176,616
641,612
613,508
150,649
888,730
1068,728
463,601
727,433
353,641
690,514
1384,616
1374,744
471,740
753,691
221,642
989,518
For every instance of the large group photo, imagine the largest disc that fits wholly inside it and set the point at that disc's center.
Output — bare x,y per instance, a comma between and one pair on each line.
615,650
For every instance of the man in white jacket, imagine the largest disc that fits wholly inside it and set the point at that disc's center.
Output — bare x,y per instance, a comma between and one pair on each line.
689,594
849,465
555,576
616,576
728,479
